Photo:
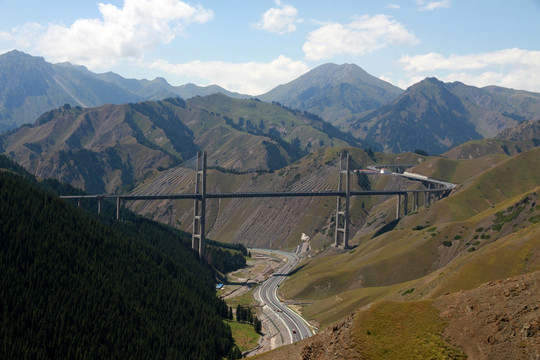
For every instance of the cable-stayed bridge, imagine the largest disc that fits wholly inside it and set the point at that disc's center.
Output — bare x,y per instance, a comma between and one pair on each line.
318,184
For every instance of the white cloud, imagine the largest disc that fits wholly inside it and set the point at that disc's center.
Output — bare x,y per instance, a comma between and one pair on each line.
128,32
279,20
253,78
393,6
22,36
514,68
432,5
363,35
5,36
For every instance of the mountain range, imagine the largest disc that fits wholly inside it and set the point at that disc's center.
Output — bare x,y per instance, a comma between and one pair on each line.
431,115
112,147
30,86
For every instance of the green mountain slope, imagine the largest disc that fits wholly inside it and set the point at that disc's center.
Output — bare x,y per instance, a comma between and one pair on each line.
494,108
113,147
488,229
77,287
427,116
510,141
436,117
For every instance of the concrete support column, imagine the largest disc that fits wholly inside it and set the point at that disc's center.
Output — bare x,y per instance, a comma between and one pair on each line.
405,204
341,234
99,199
199,212
398,206
118,203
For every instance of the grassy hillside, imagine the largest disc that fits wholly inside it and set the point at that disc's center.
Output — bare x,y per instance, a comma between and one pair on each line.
509,178
417,336
73,286
479,148
488,229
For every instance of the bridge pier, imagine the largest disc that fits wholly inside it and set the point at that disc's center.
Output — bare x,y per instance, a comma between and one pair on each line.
99,199
342,214
398,206
405,204
118,204
199,206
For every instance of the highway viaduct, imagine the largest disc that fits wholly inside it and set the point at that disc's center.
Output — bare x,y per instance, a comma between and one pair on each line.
435,189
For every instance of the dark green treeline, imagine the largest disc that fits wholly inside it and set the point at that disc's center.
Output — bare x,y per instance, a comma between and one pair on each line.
74,286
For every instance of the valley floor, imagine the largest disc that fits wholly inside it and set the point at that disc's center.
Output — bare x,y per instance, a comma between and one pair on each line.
243,289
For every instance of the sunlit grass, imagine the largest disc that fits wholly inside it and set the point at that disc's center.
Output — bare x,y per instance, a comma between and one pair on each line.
244,335
402,330
246,299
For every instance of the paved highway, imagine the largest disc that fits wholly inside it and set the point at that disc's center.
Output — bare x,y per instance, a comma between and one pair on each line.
292,327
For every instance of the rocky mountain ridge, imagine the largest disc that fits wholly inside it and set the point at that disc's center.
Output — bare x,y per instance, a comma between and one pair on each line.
112,147
431,115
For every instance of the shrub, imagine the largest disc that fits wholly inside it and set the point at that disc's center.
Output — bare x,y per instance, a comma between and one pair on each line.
535,219
408,292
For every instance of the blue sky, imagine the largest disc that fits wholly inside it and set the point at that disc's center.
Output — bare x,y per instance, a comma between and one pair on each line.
251,46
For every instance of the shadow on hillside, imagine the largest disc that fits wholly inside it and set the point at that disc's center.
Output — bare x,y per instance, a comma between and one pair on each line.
248,283
292,272
388,227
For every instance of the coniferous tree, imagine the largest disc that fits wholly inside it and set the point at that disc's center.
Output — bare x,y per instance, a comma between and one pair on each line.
80,286
257,324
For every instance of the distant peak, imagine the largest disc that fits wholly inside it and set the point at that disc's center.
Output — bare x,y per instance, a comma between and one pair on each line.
429,81
336,67
16,52
19,54
433,80
161,80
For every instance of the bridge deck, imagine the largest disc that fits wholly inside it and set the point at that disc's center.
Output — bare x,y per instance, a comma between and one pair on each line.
251,194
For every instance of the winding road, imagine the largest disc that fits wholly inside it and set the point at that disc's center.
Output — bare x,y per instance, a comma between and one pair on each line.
290,326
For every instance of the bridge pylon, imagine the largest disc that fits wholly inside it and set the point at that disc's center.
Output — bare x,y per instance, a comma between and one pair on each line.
199,206
342,209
